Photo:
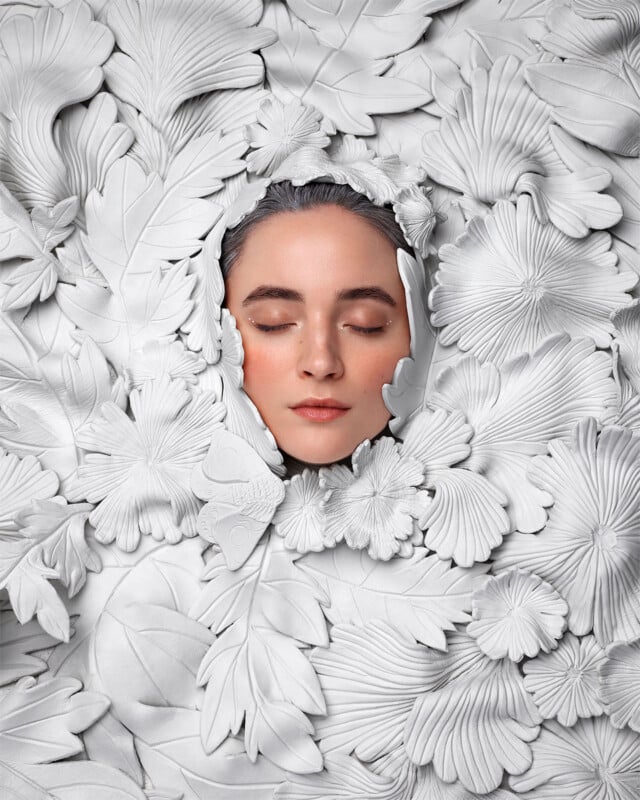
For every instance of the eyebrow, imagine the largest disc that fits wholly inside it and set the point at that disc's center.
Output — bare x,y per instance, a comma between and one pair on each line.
357,293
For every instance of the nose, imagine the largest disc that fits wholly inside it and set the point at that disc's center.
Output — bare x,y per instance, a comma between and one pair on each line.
319,353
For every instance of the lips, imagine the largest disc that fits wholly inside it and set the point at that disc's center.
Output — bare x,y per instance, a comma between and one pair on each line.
317,409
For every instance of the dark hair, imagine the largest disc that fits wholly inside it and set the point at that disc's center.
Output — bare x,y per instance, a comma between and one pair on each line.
284,196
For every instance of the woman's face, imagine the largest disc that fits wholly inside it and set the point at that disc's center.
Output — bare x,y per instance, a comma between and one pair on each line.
321,308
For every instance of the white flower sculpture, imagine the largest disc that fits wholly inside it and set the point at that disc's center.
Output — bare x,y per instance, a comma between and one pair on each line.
591,759
375,505
279,131
510,281
516,615
565,683
300,519
590,548
140,469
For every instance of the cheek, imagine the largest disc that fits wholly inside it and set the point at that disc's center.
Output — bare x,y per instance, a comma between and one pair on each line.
373,373
264,366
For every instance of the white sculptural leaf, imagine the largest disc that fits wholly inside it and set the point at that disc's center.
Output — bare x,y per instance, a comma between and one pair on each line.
345,86
39,720
50,387
423,595
32,237
571,380
260,675
178,760
140,310
405,395
343,778
591,539
49,61
262,613
172,51
147,653
365,27
242,495
21,481
65,778
203,325
514,296
476,721
18,641
140,468
90,140
469,156
108,742
371,676
242,418
139,220
619,684
591,758
517,614
57,530
565,683
431,787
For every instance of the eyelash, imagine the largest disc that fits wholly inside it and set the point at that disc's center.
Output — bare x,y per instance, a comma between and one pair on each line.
284,326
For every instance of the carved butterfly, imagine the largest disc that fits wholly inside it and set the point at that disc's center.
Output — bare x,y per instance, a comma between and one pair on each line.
242,495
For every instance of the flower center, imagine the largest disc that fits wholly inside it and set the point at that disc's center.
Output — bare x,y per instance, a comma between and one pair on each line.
604,538
533,289
573,675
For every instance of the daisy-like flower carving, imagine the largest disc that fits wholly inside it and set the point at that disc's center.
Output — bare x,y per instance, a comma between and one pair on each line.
282,129
590,548
510,281
516,614
590,760
300,518
565,683
140,468
620,684
375,505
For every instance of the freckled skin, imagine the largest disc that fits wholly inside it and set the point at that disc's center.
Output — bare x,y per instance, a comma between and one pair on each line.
320,346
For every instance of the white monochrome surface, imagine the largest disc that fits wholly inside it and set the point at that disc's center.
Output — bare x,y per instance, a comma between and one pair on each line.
452,611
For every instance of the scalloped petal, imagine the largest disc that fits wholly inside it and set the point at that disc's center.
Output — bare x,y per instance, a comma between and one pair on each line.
627,325
620,684
475,722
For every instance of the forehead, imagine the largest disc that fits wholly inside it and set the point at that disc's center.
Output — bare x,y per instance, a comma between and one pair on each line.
325,248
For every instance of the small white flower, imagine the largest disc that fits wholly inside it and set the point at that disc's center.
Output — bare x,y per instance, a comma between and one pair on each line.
517,614
300,519
375,505
565,683
281,130
142,468
509,282
620,684
416,217
159,358
590,760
